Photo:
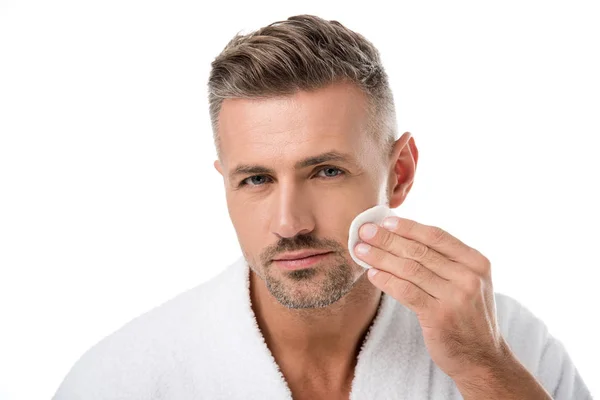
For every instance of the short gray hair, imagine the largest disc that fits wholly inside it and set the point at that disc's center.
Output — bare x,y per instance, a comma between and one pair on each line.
304,52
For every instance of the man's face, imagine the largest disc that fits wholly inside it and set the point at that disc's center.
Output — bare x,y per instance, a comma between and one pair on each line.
290,207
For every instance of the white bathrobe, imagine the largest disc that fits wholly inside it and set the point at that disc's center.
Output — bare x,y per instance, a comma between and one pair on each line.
206,344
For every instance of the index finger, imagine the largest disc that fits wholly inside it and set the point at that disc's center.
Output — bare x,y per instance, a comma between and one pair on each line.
437,239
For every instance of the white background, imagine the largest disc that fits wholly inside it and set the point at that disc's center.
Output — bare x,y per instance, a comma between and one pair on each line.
109,203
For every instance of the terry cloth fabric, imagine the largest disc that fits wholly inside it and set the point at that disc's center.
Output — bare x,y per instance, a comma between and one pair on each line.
205,344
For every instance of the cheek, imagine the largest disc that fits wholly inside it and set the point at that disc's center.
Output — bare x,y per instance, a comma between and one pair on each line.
250,226
357,270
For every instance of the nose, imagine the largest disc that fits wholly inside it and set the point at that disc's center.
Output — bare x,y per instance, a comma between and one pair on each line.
292,213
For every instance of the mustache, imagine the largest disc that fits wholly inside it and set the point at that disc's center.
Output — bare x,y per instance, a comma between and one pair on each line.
301,242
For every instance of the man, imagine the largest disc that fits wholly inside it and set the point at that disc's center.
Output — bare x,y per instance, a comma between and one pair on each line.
304,127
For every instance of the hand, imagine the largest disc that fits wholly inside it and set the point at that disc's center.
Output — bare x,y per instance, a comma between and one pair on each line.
447,284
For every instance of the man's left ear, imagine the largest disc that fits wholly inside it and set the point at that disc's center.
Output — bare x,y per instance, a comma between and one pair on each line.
217,165
404,158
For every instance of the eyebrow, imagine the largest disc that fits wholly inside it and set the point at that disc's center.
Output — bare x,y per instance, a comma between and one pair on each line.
244,169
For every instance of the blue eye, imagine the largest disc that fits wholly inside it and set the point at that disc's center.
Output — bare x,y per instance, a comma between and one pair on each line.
252,180
332,169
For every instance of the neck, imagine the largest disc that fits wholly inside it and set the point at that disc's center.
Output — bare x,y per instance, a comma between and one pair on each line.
324,341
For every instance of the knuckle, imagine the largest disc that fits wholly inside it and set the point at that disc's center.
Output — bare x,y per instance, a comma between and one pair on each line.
409,293
436,235
486,266
402,288
387,285
473,285
416,270
386,239
417,251
486,269
409,225
482,259
375,255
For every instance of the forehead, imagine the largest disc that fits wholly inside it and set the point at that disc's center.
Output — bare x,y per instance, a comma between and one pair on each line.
287,128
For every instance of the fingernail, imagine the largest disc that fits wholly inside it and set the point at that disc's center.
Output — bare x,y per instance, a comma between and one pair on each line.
362,248
390,223
367,231
372,272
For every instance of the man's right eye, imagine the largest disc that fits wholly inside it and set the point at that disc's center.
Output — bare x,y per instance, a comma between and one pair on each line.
252,181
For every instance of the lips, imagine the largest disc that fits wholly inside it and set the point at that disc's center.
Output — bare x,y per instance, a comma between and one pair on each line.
298,255
311,260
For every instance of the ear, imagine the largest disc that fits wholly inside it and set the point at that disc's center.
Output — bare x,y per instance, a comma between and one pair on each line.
218,167
403,166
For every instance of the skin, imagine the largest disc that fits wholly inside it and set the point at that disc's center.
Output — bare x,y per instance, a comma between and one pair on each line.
313,320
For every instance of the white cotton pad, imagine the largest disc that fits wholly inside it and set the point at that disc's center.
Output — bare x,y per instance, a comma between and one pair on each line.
375,215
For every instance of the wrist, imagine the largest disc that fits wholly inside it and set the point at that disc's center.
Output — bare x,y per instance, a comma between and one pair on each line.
505,379
493,367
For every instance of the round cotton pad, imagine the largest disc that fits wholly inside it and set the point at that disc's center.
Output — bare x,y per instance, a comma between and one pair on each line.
374,215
